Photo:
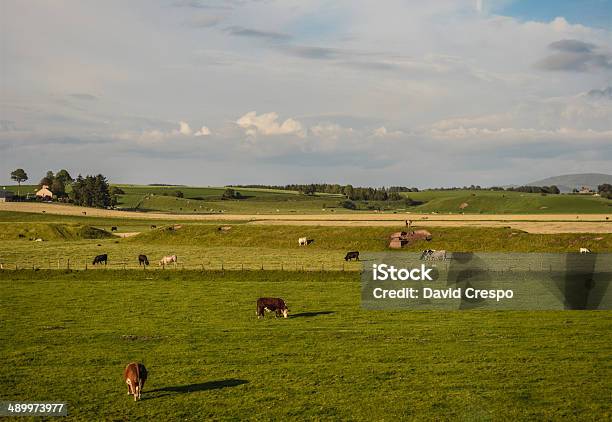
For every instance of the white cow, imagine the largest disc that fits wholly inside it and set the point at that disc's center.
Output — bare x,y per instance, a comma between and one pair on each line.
303,241
433,255
585,250
168,260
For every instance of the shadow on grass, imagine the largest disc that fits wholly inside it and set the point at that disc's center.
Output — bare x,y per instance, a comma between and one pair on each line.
194,388
310,314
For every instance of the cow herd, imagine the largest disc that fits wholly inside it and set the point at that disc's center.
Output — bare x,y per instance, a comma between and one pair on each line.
142,260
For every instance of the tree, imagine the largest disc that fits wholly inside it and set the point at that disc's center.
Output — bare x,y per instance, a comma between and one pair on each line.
348,204
179,194
19,176
91,191
230,193
308,189
64,177
58,188
348,192
605,190
45,181
115,190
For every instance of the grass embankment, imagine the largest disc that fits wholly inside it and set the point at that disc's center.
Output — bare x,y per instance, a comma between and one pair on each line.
67,337
50,232
275,247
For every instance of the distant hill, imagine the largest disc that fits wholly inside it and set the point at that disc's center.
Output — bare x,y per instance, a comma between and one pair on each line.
568,182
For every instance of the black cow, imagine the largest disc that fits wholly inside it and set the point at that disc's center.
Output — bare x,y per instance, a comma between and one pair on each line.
143,260
100,259
153,226
271,304
113,229
352,255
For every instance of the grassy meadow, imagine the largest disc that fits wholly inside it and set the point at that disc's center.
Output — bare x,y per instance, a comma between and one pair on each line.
262,201
244,246
67,336
207,200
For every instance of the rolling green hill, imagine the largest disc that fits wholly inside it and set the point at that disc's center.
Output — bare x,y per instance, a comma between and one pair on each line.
507,202
208,200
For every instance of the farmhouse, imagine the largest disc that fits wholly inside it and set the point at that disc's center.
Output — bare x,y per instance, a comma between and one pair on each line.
44,193
6,196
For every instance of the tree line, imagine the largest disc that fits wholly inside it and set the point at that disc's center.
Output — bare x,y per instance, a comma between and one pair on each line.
353,193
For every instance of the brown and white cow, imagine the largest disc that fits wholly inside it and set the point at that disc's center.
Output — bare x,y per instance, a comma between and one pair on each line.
166,260
135,375
271,304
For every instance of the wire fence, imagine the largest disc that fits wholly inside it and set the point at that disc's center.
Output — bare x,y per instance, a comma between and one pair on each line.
205,265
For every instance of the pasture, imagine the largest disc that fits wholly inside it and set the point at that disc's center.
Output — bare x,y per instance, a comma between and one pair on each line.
245,246
208,200
67,335
264,201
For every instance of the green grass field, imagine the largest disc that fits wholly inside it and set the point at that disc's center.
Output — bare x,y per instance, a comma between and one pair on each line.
207,200
254,246
67,336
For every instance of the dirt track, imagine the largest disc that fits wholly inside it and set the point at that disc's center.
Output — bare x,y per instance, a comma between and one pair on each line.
533,223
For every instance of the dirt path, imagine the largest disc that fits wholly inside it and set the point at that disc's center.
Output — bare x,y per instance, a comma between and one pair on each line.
542,227
126,234
533,223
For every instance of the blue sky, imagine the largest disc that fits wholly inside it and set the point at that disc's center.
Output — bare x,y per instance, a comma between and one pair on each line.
398,92
596,13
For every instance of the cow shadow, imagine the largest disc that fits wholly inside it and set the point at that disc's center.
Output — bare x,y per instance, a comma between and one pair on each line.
194,388
311,314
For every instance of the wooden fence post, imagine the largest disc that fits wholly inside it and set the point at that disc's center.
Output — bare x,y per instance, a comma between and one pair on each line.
68,264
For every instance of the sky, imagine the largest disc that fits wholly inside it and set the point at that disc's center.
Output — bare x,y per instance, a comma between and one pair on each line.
372,93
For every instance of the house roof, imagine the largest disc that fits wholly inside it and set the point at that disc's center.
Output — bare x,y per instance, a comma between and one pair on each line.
44,192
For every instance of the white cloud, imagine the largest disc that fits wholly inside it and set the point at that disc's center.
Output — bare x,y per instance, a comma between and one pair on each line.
382,132
204,131
268,124
184,128
158,136
330,131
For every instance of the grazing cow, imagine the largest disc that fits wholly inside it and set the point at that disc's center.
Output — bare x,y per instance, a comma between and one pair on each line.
271,304
113,229
135,375
304,241
585,250
433,255
168,260
84,212
408,223
100,259
143,260
352,255
153,226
